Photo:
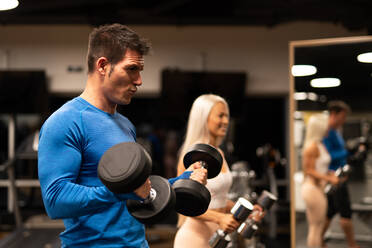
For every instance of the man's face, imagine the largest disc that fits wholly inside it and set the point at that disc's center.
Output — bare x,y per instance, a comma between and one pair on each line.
340,118
121,83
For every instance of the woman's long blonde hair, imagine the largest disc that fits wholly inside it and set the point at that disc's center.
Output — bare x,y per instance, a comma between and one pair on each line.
197,129
316,129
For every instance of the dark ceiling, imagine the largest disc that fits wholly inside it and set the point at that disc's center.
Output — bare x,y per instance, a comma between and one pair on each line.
337,60
354,15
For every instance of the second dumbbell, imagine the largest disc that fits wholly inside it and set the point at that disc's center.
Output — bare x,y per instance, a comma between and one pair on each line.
193,198
240,211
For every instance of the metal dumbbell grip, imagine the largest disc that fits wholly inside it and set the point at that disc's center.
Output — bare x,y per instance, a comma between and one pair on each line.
204,165
150,197
340,173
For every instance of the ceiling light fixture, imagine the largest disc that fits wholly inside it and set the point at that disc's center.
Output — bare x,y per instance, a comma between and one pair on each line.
365,57
299,96
8,4
312,96
303,70
325,82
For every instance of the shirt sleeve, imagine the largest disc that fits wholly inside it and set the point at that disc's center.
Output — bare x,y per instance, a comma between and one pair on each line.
59,161
185,175
334,147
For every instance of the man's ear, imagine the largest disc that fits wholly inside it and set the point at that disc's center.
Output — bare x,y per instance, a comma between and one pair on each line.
102,65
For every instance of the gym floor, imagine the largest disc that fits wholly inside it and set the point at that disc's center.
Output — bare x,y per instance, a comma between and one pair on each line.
41,232
159,237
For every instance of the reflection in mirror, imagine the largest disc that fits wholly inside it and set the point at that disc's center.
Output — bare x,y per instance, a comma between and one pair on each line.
342,76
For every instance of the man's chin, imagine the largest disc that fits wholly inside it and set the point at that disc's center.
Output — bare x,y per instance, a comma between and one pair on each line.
125,101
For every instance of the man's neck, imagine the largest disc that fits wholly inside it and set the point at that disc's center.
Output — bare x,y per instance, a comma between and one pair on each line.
94,96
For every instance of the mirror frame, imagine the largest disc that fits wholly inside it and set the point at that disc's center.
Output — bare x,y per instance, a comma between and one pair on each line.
292,108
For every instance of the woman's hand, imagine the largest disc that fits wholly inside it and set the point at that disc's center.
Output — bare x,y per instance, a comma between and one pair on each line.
334,180
227,223
257,214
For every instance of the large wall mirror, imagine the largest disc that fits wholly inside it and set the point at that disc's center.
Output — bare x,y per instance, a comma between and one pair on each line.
351,82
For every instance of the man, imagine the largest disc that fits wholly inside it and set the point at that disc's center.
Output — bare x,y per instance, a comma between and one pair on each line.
74,138
339,201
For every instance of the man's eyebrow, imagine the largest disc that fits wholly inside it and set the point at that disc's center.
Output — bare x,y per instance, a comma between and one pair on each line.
135,65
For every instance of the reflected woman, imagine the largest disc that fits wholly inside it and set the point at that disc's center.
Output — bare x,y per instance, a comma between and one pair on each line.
315,162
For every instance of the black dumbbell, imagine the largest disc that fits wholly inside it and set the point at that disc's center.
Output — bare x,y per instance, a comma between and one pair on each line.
341,173
125,167
240,211
193,198
249,227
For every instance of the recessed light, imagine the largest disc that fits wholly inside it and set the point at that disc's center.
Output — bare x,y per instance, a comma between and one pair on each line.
312,96
8,4
325,82
303,70
365,57
300,96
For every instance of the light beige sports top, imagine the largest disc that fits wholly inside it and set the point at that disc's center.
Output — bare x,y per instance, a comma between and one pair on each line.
219,187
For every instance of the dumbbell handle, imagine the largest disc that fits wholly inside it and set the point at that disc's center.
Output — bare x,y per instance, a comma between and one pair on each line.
340,173
240,211
204,164
150,197
220,238
249,227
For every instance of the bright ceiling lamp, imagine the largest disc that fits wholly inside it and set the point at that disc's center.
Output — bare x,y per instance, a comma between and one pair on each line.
305,96
8,4
325,82
303,70
365,57
312,96
300,96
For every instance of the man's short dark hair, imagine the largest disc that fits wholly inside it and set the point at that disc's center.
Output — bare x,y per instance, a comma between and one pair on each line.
338,106
112,41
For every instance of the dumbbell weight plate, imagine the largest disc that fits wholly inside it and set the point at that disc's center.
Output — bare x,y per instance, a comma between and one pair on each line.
124,167
157,209
247,229
266,200
193,198
207,153
219,240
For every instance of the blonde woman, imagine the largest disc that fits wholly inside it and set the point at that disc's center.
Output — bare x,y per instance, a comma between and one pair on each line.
315,162
208,123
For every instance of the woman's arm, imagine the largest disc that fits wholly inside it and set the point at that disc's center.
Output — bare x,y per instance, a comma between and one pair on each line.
310,155
225,221
229,205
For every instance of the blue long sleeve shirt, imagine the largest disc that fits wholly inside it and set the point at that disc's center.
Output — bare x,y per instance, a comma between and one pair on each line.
71,143
336,147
